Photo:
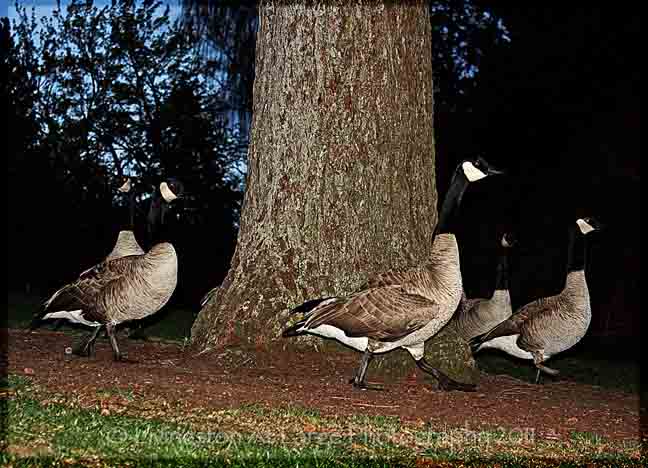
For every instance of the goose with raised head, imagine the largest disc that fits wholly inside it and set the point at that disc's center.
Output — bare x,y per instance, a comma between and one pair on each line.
122,289
549,325
126,243
475,316
403,308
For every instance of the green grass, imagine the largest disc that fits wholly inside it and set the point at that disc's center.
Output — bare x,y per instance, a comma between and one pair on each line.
48,430
59,434
127,394
585,437
579,367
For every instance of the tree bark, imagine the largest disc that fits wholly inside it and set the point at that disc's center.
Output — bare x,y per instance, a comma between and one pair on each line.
341,175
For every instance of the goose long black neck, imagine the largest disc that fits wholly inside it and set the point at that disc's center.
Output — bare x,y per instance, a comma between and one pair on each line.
576,251
156,220
127,222
131,211
502,274
448,214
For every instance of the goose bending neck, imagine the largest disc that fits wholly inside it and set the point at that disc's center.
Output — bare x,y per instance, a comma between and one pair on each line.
501,278
449,209
576,251
130,226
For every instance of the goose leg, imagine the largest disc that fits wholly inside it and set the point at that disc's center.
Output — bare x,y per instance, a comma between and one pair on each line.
445,382
87,346
359,380
537,360
110,330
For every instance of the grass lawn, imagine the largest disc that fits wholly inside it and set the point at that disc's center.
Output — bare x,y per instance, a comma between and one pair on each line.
47,429
54,430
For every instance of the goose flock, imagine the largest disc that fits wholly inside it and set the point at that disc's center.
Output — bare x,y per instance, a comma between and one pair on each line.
128,285
405,308
396,309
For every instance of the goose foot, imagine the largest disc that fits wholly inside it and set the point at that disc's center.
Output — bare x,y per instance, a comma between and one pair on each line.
365,385
545,369
83,350
87,346
449,385
117,355
125,359
538,358
359,380
445,382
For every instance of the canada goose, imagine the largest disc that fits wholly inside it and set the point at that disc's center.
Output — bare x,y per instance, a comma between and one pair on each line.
549,325
126,243
159,205
401,309
475,316
122,289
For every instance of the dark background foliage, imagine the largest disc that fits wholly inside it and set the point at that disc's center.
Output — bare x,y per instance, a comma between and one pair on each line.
550,92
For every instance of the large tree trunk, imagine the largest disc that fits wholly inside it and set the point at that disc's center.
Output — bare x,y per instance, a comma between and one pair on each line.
341,181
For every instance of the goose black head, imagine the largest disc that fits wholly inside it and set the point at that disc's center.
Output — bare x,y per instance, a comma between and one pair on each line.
127,190
478,168
589,224
169,190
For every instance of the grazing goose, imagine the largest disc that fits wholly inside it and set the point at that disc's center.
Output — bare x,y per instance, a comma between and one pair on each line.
549,325
478,315
401,309
122,289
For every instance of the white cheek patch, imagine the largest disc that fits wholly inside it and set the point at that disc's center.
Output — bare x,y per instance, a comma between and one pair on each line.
508,344
505,243
166,192
472,173
126,187
584,226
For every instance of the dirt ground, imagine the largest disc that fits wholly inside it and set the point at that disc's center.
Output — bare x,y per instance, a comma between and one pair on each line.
280,378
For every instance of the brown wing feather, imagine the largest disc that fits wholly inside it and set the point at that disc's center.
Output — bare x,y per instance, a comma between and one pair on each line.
384,314
388,278
85,293
530,312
